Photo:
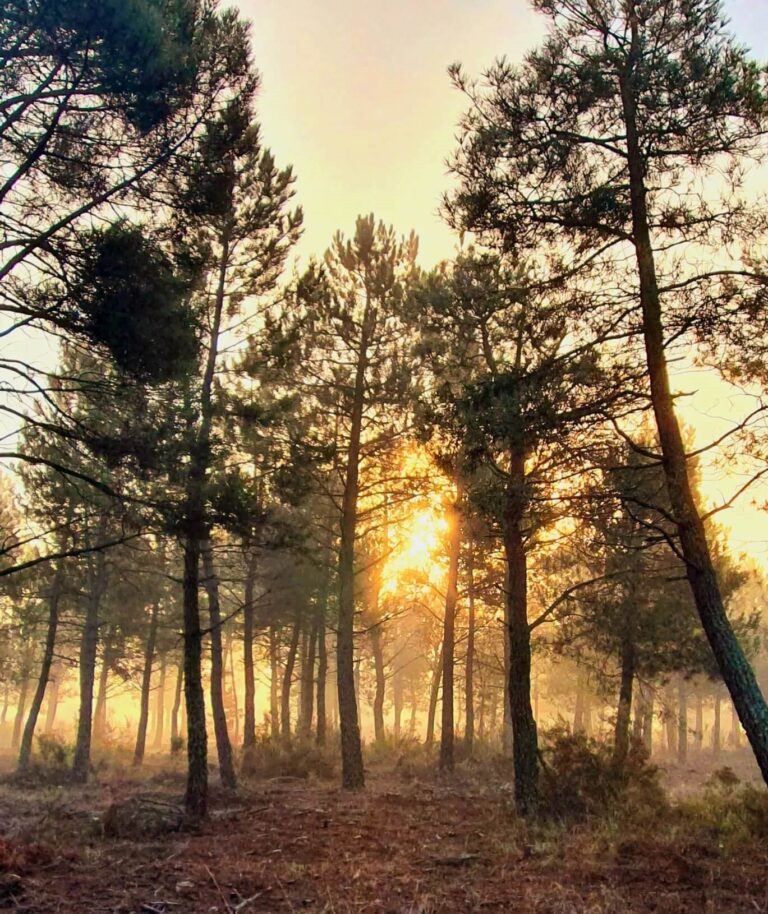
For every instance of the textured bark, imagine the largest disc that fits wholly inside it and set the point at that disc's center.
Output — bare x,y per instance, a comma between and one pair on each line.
285,697
146,682
734,667
249,722
447,733
308,683
525,748
196,799
221,732
88,647
54,599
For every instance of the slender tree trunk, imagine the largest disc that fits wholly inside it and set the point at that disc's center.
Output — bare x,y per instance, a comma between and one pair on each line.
352,773
146,683
716,727
274,671
157,742
223,745
647,735
100,712
397,700
434,693
469,680
285,698
21,707
682,721
381,682
578,710
414,712
731,660
735,737
249,722
196,799
52,695
176,705
670,725
308,683
233,684
447,733
6,702
621,737
54,598
322,675
525,747
88,646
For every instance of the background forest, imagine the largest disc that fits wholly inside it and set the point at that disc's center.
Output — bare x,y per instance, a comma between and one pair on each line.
268,517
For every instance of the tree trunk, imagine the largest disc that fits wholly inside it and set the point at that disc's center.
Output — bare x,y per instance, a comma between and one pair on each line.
647,735
735,737
249,722
233,684
88,646
716,727
274,671
731,660
146,682
434,692
21,707
157,742
525,748
176,706
699,720
447,733
578,710
670,726
52,694
682,721
308,683
397,700
196,798
100,712
469,674
322,675
223,745
621,737
285,698
381,681
54,598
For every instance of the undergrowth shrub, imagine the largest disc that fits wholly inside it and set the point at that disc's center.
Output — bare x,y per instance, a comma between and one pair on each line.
732,814
581,780
271,758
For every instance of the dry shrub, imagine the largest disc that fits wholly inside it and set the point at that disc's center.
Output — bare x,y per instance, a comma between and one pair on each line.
728,813
581,780
271,758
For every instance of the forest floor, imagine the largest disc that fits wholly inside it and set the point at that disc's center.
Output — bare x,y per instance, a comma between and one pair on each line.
401,846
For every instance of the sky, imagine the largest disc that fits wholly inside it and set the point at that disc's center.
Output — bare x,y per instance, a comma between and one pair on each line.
355,95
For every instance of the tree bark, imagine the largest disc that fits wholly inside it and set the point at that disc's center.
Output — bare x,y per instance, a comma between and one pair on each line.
322,675
469,673
196,798
621,736
381,682
274,672
308,683
176,706
434,693
52,694
249,722
100,712
447,733
21,707
223,744
716,727
88,646
157,742
146,682
285,697
682,721
525,748
734,667
54,599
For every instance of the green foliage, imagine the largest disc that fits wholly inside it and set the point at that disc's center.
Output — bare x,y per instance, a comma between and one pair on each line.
581,780
135,303
271,758
732,814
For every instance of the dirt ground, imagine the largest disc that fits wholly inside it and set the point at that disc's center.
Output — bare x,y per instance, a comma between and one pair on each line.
398,847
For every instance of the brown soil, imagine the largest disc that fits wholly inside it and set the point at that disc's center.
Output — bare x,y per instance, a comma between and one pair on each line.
395,848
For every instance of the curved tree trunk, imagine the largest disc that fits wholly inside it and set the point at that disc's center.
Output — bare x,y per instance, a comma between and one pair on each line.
734,667
223,744
146,682
54,599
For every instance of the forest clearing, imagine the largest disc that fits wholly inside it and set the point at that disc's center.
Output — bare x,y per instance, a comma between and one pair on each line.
354,565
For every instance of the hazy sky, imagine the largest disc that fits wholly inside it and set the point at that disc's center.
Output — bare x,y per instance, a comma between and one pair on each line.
355,95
